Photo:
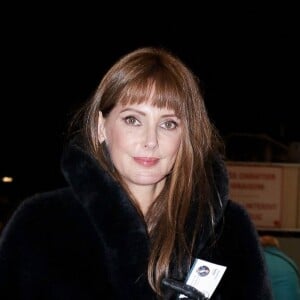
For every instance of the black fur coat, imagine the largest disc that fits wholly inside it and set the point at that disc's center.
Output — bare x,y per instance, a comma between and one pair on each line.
86,241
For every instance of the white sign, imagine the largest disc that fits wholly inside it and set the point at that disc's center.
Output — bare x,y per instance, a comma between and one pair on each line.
259,189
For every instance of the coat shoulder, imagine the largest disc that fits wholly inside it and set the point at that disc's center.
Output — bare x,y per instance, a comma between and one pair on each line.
41,211
237,214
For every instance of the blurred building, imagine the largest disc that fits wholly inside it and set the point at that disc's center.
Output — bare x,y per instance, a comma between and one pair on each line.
260,148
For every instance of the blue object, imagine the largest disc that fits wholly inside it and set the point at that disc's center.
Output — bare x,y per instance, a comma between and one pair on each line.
284,274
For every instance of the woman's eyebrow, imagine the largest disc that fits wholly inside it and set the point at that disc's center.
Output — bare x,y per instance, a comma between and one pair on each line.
133,110
144,114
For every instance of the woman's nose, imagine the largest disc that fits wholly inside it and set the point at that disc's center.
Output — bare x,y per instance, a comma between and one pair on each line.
150,138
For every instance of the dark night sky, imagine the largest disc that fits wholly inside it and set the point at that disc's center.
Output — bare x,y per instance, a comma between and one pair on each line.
52,59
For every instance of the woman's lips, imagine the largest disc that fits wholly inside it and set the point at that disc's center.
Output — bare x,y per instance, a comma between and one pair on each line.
146,161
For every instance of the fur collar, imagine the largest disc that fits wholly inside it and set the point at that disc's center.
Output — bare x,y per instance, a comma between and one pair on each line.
111,211
115,219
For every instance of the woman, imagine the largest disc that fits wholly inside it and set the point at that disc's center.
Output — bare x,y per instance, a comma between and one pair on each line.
146,194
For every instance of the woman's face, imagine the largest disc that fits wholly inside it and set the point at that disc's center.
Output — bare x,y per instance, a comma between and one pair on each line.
143,141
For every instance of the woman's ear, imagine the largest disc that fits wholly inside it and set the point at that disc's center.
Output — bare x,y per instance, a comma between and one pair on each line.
101,129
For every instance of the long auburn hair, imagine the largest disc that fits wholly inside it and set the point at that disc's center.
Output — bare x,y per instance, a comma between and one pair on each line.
132,79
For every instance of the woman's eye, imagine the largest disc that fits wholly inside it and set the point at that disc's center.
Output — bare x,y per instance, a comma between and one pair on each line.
170,125
131,121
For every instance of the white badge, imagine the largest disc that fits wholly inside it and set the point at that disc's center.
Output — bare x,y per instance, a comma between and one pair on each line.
204,276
